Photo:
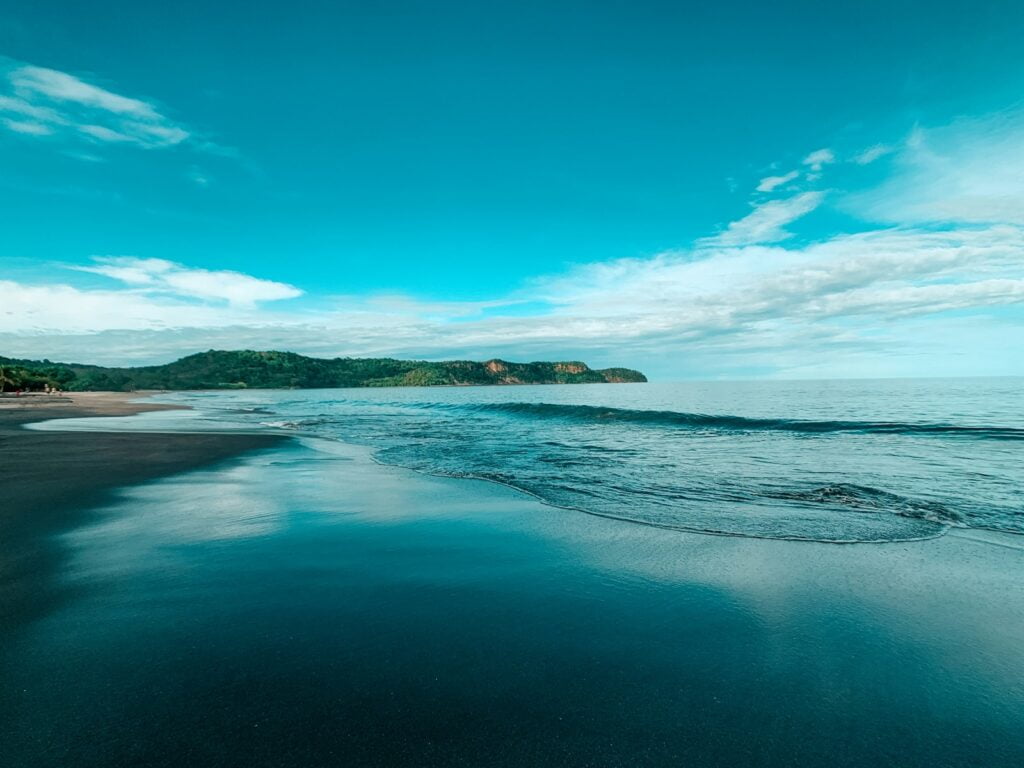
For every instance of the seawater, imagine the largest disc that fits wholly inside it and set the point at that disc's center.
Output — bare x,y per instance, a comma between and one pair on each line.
839,461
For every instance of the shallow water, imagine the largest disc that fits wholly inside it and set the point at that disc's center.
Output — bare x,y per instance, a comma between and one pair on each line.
846,461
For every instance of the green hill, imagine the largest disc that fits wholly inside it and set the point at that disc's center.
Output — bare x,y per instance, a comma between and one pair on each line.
282,370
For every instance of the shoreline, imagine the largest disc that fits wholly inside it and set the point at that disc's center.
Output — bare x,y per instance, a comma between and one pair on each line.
43,470
119,404
51,480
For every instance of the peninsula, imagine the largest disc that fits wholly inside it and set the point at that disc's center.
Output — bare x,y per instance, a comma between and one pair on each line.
243,369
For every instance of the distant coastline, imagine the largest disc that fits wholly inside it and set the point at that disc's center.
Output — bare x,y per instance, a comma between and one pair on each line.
245,369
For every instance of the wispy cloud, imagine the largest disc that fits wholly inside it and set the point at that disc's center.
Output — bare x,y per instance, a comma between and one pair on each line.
770,183
734,285
767,222
198,176
37,101
66,309
399,304
161,276
819,158
969,171
60,86
869,155
27,126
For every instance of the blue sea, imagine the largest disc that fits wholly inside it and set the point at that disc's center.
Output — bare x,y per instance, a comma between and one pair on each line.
838,461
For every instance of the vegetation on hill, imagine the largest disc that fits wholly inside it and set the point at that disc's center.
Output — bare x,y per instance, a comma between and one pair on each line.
277,370
30,376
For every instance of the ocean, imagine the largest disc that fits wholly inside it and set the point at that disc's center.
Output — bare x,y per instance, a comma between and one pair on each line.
838,461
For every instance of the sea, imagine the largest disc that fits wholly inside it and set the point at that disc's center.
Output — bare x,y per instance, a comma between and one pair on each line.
837,461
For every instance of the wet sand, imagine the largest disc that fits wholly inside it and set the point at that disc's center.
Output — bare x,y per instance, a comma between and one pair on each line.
48,480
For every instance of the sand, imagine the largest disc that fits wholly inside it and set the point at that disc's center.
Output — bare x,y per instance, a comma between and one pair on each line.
49,479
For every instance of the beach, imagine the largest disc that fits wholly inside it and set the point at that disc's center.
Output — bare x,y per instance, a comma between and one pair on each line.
50,479
237,599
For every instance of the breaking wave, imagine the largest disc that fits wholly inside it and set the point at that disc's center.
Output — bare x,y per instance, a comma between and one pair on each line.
698,421
808,473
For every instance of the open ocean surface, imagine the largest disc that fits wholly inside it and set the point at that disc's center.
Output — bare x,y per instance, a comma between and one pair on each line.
845,461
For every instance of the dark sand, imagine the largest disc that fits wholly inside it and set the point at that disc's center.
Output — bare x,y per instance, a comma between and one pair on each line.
48,479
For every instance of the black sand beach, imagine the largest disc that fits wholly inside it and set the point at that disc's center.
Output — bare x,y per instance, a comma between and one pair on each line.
49,480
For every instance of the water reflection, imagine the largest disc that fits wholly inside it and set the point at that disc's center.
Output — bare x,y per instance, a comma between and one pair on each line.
306,605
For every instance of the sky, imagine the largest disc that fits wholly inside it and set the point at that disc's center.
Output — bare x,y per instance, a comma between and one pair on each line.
698,190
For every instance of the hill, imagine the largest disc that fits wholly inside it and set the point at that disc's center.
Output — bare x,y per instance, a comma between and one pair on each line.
287,370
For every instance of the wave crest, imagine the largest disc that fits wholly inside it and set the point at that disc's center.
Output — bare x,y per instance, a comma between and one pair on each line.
712,422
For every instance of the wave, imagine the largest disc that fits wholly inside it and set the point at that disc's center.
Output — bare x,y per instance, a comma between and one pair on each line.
711,422
861,498
619,463
922,520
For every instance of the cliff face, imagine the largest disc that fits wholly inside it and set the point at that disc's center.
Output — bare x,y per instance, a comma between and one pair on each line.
574,372
274,370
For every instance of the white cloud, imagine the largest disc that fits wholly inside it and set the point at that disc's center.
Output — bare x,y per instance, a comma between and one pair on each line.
18,106
767,222
103,133
969,171
33,309
398,304
847,295
198,176
819,158
27,126
159,275
770,183
47,102
61,86
925,299
757,281
871,154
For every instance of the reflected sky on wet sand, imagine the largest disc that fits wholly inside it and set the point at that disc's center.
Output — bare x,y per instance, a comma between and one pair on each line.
307,602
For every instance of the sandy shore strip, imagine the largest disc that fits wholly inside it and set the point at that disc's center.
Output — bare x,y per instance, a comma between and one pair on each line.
47,479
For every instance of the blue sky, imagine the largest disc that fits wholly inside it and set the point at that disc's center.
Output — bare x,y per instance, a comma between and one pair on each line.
698,190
